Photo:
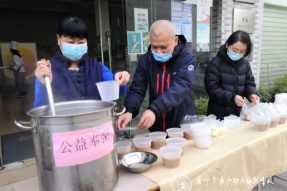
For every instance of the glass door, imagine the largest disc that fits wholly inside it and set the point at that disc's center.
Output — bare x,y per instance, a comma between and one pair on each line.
110,19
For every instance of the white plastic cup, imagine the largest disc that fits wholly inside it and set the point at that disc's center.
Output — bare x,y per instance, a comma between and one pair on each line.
170,156
142,143
158,139
175,132
109,90
202,137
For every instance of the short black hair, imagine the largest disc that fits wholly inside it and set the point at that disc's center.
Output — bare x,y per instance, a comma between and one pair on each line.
240,36
73,27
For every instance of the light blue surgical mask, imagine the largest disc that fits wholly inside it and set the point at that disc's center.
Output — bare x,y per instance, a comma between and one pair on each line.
74,52
162,57
233,55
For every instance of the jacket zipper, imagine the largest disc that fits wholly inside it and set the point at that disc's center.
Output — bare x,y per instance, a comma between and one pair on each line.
157,84
162,92
168,81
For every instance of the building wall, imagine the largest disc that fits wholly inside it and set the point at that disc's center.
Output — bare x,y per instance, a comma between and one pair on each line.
216,27
274,44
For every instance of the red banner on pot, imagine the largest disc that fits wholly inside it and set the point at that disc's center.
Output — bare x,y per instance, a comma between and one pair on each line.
82,146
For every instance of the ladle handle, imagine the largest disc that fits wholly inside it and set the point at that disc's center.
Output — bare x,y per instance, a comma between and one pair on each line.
50,95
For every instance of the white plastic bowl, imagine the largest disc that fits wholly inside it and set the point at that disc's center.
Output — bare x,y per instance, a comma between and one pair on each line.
142,143
158,139
186,131
175,132
176,141
171,156
124,147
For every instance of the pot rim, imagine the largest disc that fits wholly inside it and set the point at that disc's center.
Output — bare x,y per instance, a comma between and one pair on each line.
33,112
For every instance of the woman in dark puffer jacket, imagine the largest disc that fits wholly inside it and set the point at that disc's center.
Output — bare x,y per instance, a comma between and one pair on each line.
228,77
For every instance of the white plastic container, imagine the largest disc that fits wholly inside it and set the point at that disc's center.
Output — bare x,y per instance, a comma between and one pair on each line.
123,147
176,141
142,143
202,137
186,131
170,156
175,132
109,90
158,139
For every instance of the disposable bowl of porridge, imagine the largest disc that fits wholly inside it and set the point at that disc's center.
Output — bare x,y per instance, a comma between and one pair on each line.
170,156
175,132
123,147
157,139
142,143
176,141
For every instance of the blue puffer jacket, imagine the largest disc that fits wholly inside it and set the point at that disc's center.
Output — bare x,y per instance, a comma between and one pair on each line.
169,87
63,85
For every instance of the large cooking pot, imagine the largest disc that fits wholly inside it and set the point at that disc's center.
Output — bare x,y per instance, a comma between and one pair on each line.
75,150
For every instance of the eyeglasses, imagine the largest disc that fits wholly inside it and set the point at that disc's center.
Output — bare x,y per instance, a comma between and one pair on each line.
238,51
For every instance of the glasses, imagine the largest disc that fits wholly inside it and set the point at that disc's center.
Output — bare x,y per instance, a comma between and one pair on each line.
238,51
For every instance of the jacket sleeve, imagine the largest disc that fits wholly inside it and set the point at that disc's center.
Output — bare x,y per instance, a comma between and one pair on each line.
137,89
250,86
40,94
213,88
179,89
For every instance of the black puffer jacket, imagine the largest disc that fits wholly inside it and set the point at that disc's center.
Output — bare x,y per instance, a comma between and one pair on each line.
224,79
169,86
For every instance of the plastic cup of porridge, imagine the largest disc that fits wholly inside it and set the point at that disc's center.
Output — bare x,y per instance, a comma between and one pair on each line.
142,143
170,156
158,139
123,147
175,132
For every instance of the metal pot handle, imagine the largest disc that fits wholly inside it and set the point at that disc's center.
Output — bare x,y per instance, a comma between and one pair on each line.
119,108
23,124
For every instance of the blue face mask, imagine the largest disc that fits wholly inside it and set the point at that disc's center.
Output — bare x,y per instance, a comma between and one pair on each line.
74,52
162,57
234,56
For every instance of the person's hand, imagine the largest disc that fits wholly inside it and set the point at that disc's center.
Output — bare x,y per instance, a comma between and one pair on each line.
43,69
254,98
147,120
123,120
239,101
122,78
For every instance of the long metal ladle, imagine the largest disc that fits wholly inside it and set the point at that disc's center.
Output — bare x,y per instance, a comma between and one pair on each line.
50,95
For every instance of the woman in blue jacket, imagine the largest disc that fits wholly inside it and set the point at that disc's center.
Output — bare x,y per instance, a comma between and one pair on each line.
72,72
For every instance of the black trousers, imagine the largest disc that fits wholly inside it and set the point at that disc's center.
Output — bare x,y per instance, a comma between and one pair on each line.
20,82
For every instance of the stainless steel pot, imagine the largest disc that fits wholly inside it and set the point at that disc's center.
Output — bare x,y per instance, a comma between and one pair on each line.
75,150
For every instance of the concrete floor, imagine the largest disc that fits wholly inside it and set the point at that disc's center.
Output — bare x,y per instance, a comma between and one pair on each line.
277,183
12,107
